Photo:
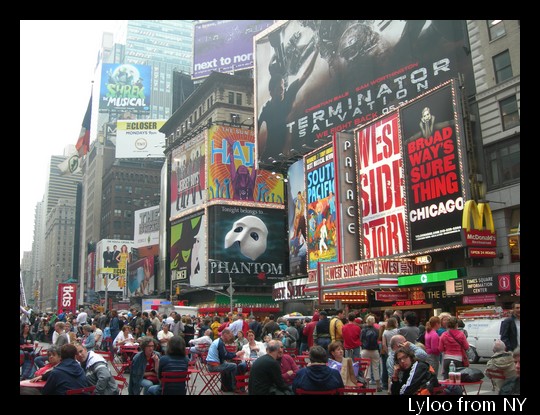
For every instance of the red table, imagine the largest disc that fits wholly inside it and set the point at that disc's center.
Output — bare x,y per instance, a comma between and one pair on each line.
26,383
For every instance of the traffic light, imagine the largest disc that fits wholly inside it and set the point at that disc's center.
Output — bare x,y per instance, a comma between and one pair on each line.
177,290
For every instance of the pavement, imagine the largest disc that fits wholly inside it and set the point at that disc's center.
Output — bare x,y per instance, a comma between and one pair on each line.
485,389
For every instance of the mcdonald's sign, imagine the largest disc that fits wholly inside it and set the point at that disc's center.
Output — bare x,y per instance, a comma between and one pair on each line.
481,232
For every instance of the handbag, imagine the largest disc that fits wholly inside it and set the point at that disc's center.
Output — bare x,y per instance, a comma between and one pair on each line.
464,357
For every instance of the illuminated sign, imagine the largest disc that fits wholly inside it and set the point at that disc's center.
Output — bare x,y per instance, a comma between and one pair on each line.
408,303
422,260
427,278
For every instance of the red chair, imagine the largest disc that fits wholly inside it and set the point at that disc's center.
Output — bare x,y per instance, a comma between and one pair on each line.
89,390
495,375
292,351
121,382
231,348
306,392
356,390
242,383
174,377
301,361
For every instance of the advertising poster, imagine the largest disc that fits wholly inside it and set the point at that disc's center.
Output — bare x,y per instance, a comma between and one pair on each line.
125,87
141,279
247,244
188,179
146,232
224,45
433,161
67,297
323,231
139,139
232,173
297,219
380,185
317,77
188,250
113,257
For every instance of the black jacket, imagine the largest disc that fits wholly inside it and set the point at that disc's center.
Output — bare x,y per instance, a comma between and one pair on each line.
417,377
508,332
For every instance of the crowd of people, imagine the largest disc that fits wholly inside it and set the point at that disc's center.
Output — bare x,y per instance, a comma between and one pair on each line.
405,357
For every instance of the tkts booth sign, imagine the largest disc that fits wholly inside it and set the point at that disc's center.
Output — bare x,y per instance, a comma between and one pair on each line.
480,237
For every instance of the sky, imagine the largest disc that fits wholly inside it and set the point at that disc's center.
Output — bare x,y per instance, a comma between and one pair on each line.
57,60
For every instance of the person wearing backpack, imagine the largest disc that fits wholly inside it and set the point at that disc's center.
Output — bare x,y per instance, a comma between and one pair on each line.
370,350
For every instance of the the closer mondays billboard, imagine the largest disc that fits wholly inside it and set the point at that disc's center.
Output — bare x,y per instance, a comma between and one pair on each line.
318,77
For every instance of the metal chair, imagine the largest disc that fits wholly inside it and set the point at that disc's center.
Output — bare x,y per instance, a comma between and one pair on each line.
172,378
306,392
292,351
121,382
242,383
89,390
494,375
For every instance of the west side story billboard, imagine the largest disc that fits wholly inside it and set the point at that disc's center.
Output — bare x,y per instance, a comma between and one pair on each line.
224,45
411,176
340,74
125,87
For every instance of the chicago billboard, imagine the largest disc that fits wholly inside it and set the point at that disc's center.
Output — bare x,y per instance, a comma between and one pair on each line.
224,45
318,77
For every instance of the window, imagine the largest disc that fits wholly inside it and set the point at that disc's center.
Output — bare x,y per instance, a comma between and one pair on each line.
231,97
514,236
238,98
496,29
503,163
502,66
509,112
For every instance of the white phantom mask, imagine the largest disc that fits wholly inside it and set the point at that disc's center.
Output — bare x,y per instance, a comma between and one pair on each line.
251,233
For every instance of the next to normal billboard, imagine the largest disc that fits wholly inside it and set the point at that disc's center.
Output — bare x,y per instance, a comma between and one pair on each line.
224,45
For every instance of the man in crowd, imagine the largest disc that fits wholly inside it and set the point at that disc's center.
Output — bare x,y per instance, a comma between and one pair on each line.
97,371
265,374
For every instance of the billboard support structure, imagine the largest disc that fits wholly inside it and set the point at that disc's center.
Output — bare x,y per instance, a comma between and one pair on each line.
230,291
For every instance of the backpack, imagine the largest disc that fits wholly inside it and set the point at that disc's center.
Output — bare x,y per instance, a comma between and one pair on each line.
369,338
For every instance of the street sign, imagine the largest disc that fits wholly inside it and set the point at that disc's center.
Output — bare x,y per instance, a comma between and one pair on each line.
230,290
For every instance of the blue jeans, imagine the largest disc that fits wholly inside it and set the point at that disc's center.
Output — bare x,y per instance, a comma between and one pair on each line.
228,372
146,384
154,390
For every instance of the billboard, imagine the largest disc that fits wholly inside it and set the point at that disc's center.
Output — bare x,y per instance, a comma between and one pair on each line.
381,188
247,244
434,166
139,139
224,45
333,75
67,297
141,277
323,226
146,232
297,219
188,178
125,87
188,250
113,257
231,168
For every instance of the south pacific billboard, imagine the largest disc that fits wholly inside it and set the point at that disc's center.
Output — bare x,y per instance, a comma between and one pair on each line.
322,220
232,173
188,175
224,45
337,75
188,251
125,87
246,243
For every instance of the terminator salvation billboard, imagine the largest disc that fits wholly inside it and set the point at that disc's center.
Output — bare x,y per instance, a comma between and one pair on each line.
247,244
340,74
224,45
411,182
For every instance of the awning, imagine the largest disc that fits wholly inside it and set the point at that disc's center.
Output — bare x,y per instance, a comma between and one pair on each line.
246,300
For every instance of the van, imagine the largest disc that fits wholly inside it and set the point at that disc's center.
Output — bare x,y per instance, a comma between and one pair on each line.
482,333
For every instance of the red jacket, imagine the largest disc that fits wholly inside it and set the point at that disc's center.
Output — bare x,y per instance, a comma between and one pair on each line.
288,363
351,336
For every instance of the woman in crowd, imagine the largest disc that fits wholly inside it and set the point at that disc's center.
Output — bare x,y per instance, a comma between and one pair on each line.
452,345
174,361
240,340
336,359
144,368
124,338
431,342
88,340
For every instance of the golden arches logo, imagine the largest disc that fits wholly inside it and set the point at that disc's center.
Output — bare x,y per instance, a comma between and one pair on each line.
480,214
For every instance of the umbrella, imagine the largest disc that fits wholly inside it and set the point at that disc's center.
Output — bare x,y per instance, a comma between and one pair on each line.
293,315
